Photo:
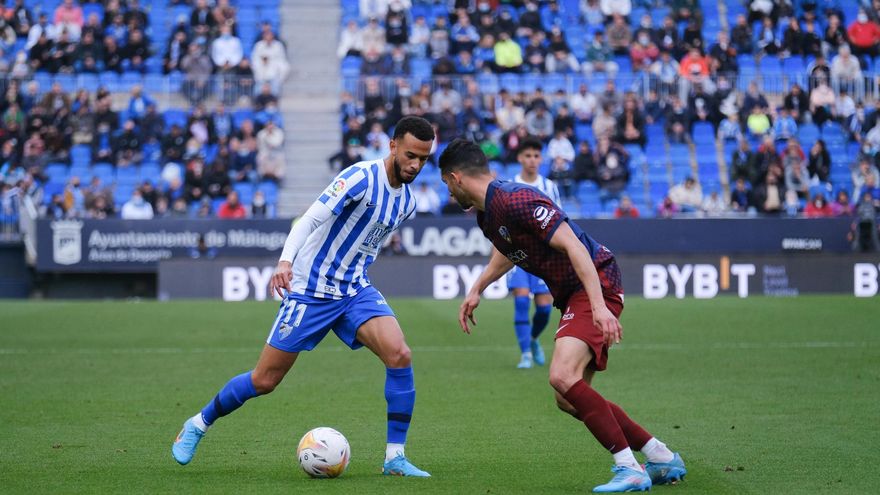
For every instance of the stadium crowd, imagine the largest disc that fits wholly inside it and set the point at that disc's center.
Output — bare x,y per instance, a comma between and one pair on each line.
776,114
64,144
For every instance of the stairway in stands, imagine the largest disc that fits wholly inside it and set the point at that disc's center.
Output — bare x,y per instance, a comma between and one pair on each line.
311,100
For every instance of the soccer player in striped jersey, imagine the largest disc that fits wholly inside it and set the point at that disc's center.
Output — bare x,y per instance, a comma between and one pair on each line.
529,230
522,283
322,279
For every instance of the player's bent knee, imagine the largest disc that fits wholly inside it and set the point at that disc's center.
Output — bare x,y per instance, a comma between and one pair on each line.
399,358
265,383
562,381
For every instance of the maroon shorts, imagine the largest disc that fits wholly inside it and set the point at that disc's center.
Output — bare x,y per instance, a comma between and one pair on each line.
577,322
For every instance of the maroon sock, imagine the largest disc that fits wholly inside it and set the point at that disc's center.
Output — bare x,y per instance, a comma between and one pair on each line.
594,411
635,435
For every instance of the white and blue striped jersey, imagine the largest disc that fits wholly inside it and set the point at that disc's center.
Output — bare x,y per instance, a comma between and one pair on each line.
544,185
333,262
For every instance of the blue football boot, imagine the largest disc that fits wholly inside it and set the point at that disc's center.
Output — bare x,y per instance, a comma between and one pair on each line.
662,473
625,480
184,447
538,353
400,466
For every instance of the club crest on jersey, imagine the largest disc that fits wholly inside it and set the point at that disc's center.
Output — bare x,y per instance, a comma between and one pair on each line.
336,188
504,233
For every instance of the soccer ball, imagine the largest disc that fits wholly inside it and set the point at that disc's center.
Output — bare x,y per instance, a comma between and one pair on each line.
323,453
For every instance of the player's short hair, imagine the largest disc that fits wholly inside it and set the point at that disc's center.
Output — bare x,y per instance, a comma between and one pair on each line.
529,143
420,128
465,156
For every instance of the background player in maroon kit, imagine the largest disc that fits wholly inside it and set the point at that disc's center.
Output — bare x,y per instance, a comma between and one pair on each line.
529,230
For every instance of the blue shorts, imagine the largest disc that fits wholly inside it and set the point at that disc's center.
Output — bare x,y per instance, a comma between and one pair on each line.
521,279
304,321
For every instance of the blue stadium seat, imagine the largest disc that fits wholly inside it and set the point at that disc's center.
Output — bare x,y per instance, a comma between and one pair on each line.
104,171
175,116
270,190
127,175
149,171
245,192
239,116
57,172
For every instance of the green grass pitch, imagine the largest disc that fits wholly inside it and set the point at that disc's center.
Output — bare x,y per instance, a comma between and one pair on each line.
760,396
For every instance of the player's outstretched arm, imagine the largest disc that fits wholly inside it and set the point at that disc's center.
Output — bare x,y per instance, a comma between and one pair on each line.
316,215
496,268
564,240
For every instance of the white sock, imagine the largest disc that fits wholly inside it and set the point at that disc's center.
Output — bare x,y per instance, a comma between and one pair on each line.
626,458
393,450
656,451
200,422
527,354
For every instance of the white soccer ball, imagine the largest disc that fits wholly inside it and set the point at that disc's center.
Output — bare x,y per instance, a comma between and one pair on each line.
323,453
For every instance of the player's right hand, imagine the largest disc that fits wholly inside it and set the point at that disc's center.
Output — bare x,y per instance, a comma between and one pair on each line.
604,319
466,311
281,278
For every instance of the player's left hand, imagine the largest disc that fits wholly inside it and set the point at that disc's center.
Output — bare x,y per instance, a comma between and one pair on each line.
612,331
466,311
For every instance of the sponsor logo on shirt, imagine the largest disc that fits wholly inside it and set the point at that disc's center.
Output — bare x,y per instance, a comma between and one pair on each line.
329,289
547,220
567,316
541,213
504,233
517,256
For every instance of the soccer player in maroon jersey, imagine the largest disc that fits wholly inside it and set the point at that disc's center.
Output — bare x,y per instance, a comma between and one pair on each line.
530,231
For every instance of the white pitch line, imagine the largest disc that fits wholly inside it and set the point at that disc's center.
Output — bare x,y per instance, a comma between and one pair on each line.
623,347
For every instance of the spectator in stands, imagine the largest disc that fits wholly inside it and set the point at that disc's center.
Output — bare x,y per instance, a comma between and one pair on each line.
643,52
509,115
842,207
835,35
41,29
692,37
20,18
136,51
127,146
350,41
259,208
770,196
667,208
138,103
864,234
822,102
619,35
694,67
202,20
270,154
40,54
226,50
271,57
797,178
785,126
69,17
758,123
427,200
100,209
863,34
796,103
818,207
845,106
616,7
862,174
197,68
174,144
793,39
612,174
419,37
626,209
600,57
439,42
677,122
583,104
741,197
592,13
631,124
396,25
604,124
687,195
729,129
768,43
373,36
374,64
819,165
463,35
723,56
446,96
231,208
55,209
174,53
137,208
667,38
811,42
713,205
845,69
